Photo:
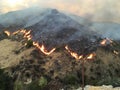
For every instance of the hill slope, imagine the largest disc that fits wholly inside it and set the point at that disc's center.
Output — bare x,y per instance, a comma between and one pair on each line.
29,64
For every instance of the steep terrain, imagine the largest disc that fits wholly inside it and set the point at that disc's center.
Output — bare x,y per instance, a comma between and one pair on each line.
48,26
25,62
8,56
37,18
29,64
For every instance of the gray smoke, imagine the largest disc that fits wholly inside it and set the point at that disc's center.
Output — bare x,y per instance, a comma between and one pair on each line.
31,16
20,16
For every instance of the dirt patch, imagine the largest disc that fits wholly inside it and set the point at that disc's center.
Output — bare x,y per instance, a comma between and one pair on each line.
10,53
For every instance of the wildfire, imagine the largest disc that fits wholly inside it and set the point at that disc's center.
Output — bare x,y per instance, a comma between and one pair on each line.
103,42
25,33
16,32
91,56
73,54
7,32
106,41
43,49
28,36
78,57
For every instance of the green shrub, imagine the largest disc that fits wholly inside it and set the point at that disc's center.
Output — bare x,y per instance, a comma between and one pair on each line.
70,79
33,86
3,36
5,81
18,85
37,85
42,82
29,43
115,82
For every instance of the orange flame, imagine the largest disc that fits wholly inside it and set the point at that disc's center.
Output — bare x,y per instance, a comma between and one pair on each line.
7,32
16,32
28,36
73,54
42,48
91,56
25,33
104,42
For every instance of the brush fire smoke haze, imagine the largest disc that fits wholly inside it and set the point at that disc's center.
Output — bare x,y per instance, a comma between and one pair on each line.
99,10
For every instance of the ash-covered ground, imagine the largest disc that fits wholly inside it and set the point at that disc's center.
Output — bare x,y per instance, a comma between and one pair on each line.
29,67
27,64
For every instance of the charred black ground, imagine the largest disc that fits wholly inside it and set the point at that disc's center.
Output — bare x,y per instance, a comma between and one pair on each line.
27,65
61,69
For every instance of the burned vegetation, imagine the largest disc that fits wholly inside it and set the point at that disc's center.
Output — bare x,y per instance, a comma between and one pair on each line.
35,66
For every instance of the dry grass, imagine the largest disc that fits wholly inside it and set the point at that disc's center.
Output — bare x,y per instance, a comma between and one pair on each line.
104,69
10,53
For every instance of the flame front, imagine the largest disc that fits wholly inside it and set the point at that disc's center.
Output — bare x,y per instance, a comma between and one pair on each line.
91,56
104,42
43,49
28,36
16,32
25,33
7,32
73,54
78,57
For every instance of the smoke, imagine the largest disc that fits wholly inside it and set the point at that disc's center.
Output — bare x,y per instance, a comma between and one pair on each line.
108,11
101,10
92,10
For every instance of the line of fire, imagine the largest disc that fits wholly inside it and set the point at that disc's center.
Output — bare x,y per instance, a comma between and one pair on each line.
43,49
86,54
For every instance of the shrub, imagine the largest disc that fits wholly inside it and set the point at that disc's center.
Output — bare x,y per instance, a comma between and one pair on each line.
29,43
3,36
70,79
115,82
5,81
18,85
33,86
42,82
37,85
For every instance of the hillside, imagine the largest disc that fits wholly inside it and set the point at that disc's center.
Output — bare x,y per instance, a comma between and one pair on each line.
46,20
27,65
45,49
48,26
